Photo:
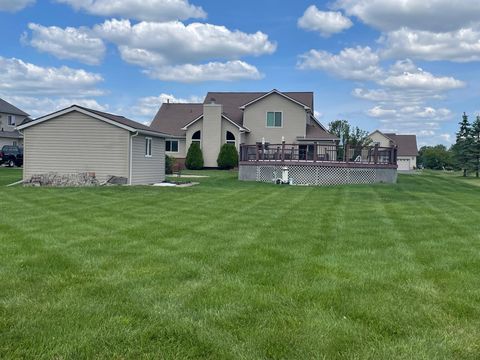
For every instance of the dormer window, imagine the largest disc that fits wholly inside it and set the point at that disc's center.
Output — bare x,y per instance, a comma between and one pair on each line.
274,119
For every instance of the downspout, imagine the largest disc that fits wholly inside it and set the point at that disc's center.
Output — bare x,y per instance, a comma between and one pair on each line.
23,145
130,158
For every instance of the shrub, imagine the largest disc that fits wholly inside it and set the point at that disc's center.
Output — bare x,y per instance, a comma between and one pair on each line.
169,164
194,159
228,157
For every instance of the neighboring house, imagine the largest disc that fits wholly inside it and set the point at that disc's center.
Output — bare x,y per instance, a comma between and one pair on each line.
10,117
407,150
241,118
77,139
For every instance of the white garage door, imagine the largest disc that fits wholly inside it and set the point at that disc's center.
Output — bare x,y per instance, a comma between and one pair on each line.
403,164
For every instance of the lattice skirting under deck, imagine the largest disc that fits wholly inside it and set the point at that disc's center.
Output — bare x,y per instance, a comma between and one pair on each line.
319,175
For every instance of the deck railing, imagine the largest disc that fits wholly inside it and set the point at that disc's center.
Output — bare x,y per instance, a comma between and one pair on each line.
318,153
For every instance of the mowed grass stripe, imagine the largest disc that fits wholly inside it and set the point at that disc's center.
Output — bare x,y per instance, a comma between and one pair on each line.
240,270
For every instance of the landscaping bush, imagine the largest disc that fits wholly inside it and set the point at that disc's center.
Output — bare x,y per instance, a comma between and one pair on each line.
169,164
194,160
228,157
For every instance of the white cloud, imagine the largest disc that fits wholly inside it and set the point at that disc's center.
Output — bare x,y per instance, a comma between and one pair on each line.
351,63
69,43
39,106
447,138
411,113
432,15
461,45
421,80
171,51
380,112
212,71
150,10
325,22
174,42
402,100
19,77
14,5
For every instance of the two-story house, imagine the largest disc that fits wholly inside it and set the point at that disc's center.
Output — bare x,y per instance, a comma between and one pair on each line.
10,117
241,118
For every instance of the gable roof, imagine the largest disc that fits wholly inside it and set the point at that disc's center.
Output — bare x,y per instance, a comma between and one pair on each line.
407,144
172,117
7,108
233,101
112,119
275,91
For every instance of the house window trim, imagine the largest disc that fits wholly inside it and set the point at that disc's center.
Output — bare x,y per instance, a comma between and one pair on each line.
148,149
266,120
199,141
233,142
171,141
11,121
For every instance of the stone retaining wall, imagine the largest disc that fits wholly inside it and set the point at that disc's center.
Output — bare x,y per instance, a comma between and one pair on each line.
55,179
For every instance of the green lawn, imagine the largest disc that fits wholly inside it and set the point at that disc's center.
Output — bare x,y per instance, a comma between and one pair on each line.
235,270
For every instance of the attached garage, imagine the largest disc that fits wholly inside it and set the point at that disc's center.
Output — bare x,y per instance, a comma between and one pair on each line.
78,140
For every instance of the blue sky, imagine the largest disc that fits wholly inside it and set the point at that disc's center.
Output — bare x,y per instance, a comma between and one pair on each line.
408,67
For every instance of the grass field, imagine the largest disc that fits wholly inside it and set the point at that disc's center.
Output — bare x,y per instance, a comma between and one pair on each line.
234,270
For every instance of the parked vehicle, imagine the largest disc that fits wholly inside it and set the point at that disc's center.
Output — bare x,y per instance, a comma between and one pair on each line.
11,155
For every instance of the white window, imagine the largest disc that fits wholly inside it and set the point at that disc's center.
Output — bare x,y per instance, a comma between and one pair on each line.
171,145
11,120
230,138
148,147
274,119
197,138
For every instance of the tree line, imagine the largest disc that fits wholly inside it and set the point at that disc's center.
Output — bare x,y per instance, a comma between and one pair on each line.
464,155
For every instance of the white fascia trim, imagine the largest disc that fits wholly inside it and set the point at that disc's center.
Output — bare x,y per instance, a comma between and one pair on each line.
223,116
274,91
191,122
69,110
241,128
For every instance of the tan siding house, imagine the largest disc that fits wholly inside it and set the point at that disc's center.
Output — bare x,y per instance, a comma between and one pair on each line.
10,117
78,139
241,118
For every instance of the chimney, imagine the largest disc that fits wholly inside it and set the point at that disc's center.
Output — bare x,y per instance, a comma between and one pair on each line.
212,132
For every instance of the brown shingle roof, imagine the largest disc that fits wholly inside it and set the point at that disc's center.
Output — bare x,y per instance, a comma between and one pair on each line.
115,118
171,117
316,132
407,144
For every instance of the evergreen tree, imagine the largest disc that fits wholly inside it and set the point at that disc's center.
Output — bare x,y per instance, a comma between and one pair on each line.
194,159
475,146
228,157
463,145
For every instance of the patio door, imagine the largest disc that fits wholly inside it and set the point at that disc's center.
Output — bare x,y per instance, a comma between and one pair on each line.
305,152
